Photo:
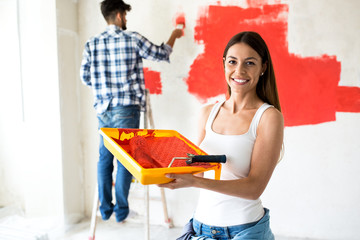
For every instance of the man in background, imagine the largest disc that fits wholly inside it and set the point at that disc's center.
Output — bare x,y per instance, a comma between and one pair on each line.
112,67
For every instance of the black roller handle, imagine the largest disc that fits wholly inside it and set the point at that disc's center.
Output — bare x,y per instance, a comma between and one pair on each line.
206,158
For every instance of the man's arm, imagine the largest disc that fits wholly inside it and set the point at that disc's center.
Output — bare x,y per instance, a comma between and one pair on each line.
153,52
177,33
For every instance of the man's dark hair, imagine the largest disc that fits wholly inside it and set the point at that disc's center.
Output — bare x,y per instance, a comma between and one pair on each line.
109,8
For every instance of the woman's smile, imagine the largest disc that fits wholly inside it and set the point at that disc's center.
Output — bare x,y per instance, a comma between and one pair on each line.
240,81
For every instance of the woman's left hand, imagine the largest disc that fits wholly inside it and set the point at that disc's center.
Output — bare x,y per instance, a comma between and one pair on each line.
180,181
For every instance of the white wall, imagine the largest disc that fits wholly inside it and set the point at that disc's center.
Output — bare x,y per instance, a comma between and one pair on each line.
313,191
41,164
11,120
32,128
48,126
68,64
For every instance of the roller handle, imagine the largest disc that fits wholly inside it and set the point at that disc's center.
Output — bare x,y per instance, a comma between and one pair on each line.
207,158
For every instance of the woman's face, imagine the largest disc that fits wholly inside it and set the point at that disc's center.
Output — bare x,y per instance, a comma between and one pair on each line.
243,67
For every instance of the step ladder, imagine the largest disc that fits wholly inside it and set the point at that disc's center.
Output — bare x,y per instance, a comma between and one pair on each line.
148,122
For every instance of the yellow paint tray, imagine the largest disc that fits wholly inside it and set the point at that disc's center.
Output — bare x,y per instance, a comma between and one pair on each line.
116,140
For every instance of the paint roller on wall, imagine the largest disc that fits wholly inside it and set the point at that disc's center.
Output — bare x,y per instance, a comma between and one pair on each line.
180,21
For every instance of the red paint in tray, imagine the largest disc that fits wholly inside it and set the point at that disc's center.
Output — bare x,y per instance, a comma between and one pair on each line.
157,152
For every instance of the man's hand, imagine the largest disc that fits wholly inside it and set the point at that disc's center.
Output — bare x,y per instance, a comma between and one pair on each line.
176,33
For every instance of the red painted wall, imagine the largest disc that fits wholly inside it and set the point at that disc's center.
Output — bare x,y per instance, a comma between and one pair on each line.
308,86
152,81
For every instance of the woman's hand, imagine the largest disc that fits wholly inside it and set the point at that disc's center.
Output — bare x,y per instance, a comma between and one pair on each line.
180,181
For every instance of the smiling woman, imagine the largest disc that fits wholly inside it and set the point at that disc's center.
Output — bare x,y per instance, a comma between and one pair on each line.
248,56
248,128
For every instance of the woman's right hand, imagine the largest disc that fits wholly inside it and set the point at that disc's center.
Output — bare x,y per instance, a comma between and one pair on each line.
180,181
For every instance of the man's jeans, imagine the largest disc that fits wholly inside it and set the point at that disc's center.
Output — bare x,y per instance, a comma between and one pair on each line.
120,117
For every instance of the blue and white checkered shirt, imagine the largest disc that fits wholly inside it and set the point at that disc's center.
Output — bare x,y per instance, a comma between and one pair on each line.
112,67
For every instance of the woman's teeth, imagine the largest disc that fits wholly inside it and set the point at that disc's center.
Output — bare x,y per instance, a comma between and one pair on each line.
239,80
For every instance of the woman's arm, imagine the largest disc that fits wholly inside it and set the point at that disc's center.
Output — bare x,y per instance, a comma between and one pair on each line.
265,156
203,117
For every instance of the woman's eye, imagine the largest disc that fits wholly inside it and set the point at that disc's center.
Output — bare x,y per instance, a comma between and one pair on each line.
232,62
250,63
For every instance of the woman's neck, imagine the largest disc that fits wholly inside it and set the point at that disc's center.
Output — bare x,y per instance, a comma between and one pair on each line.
238,102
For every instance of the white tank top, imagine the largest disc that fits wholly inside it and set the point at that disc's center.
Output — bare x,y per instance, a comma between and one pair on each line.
222,210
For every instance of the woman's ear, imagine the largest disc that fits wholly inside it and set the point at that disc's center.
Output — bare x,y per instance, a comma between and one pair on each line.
264,67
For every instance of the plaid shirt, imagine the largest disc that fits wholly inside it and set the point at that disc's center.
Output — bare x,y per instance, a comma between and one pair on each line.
112,67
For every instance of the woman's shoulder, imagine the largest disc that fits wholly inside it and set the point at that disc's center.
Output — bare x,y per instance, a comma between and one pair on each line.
205,113
206,109
272,116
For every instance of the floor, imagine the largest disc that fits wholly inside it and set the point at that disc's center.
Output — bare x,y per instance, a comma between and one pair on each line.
113,230
14,226
129,230
105,230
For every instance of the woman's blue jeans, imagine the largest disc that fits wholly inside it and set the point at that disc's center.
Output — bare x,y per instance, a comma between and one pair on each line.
260,230
119,117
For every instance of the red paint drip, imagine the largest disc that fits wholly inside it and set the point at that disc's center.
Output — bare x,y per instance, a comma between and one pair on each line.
308,86
152,81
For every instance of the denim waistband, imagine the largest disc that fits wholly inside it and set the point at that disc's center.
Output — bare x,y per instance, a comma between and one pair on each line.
123,107
220,232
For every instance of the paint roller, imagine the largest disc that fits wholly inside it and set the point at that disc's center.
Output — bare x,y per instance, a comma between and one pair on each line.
180,21
191,158
141,151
